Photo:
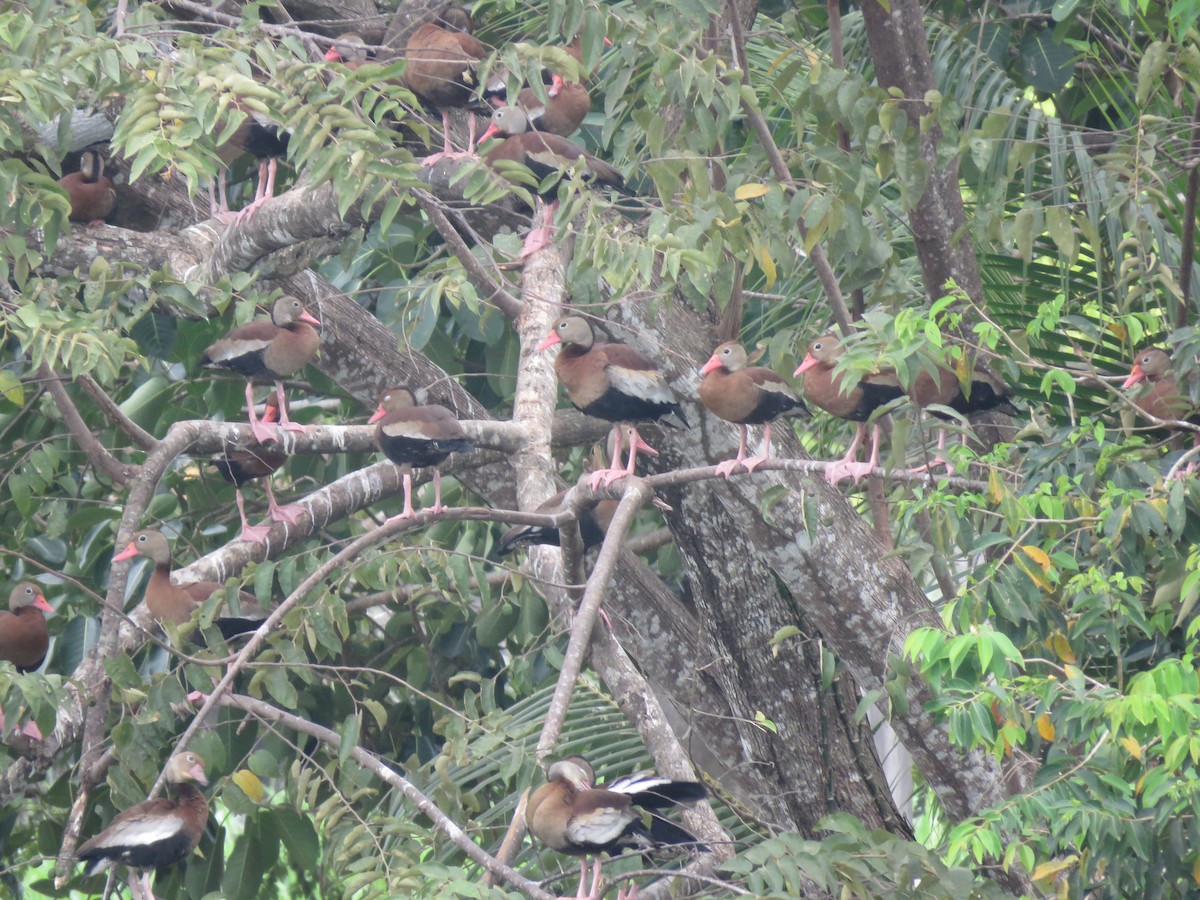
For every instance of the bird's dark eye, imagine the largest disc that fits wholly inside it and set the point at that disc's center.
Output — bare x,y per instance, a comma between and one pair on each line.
141,538
818,346
726,351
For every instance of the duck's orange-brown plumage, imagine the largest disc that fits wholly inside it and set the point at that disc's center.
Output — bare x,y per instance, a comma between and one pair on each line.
24,638
91,192
175,603
155,832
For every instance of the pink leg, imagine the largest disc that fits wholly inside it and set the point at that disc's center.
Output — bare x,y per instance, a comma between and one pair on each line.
284,422
755,461
437,492
838,470
408,511
635,444
600,478
264,192
255,534
938,458
290,513
597,881
857,470
542,235
263,431
471,134
730,466
448,152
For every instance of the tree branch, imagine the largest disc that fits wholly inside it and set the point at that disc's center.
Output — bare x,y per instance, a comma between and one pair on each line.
96,452
371,762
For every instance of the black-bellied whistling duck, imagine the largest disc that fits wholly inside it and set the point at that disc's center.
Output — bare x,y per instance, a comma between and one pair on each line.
571,816
442,59
155,832
91,192
987,393
242,465
543,154
350,50
265,140
854,402
745,395
274,349
24,638
593,524
421,436
175,603
1162,398
614,382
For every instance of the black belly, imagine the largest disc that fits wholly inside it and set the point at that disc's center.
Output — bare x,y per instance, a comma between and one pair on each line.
421,453
146,856
248,365
616,406
769,407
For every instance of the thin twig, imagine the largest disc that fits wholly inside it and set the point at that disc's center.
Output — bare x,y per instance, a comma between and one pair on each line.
820,262
96,451
491,289
390,776
113,413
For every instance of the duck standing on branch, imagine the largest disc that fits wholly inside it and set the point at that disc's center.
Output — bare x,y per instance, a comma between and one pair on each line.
745,395
274,349
90,191
154,833
24,638
987,393
855,402
614,382
442,59
174,603
239,466
571,816
544,154
421,436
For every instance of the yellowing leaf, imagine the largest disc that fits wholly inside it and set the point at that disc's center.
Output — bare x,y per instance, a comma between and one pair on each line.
1196,870
1034,576
1118,330
766,264
750,191
249,783
1129,742
1048,870
1062,647
1045,727
1038,555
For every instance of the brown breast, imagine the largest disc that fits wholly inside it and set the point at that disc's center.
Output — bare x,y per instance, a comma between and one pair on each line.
730,395
90,200
24,638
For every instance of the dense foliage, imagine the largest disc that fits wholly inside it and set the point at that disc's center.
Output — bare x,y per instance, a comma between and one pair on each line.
1064,565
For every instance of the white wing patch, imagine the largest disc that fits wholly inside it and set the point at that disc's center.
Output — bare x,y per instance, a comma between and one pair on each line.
234,349
636,783
405,430
778,387
645,384
144,831
599,826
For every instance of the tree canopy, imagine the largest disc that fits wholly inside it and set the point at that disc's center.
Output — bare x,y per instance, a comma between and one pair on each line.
956,683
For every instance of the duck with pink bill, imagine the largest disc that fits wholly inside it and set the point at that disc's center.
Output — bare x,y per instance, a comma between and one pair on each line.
422,436
274,349
614,382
